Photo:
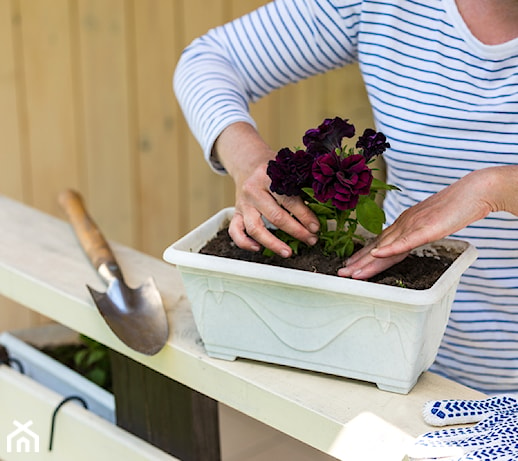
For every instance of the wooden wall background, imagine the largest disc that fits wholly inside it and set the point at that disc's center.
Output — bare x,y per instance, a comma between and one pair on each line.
86,102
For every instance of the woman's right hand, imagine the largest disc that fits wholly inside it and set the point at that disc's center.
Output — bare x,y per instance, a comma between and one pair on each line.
245,156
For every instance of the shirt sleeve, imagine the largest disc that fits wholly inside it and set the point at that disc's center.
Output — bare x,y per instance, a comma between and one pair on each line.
285,41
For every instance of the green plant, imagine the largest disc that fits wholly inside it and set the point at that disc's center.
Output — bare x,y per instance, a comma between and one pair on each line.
335,181
93,361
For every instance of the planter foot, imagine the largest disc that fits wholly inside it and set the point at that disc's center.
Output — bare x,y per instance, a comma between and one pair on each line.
398,389
222,356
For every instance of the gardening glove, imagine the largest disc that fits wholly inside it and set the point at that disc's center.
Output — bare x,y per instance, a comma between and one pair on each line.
494,438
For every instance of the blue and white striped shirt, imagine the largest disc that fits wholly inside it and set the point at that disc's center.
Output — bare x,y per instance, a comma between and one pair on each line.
447,103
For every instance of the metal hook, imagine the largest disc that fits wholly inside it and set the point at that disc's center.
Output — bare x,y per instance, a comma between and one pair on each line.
55,413
5,359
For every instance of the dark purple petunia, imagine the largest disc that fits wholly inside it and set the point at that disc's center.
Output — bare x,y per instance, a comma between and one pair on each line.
290,171
373,143
341,180
328,136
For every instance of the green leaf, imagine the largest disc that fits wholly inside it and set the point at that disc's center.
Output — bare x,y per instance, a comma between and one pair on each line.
98,376
294,245
320,210
377,184
348,249
323,223
370,215
95,356
309,191
79,357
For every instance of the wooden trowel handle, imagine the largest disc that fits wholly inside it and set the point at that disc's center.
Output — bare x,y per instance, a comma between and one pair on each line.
92,240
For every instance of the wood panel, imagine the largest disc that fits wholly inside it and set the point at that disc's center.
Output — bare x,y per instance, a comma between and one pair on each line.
11,85
198,17
160,125
108,104
51,140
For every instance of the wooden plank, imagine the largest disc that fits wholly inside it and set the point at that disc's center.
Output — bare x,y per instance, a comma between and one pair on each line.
160,156
14,316
107,88
205,190
42,267
79,435
11,84
174,418
52,141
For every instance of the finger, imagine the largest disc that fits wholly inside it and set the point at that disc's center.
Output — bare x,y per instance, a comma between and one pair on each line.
289,214
395,244
361,253
237,232
256,230
248,231
280,216
369,266
303,214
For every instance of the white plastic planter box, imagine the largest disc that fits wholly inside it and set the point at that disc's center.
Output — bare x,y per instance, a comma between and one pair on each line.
52,374
382,334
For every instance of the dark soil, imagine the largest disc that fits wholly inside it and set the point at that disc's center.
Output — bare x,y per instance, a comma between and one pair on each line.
416,272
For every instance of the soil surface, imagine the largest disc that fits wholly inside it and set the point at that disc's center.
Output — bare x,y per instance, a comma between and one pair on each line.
415,271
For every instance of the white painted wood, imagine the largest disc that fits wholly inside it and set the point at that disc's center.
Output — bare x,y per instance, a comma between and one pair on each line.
52,374
79,434
42,267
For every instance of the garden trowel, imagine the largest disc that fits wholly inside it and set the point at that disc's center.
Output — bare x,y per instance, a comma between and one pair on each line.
137,316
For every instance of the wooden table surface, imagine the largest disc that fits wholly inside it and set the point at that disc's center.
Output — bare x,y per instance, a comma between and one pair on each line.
43,268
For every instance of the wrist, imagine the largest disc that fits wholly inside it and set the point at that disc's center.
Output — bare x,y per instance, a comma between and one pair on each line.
500,187
241,150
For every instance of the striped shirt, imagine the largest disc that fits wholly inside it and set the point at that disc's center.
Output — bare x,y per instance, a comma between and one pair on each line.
447,103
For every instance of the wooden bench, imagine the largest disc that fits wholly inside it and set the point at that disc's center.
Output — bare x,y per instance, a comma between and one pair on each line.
43,268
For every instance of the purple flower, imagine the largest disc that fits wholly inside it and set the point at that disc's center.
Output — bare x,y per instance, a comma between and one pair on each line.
328,136
290,171
341,180
373,143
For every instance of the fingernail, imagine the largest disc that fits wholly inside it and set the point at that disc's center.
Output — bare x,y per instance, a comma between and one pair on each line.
314,228
285,253
312,240
344,272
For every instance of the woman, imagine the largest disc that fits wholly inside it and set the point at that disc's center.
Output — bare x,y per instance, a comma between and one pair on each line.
442,79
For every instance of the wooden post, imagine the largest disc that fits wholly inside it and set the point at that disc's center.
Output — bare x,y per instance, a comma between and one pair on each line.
167,414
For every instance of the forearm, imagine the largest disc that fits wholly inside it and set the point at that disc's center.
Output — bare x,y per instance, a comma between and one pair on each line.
241,150
220,73
209,93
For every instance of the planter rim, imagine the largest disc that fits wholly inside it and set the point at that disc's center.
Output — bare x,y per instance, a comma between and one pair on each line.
183,253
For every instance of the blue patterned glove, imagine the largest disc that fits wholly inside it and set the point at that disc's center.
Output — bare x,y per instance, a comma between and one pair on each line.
494,438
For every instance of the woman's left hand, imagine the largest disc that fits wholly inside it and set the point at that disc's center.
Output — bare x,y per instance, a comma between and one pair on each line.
467,200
